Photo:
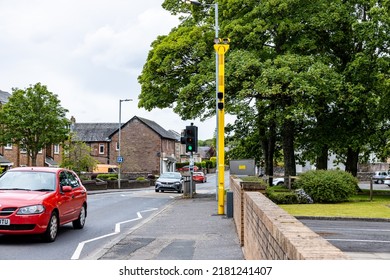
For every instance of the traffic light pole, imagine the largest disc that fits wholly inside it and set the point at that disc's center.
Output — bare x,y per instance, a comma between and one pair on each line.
190,139
191,173
221,49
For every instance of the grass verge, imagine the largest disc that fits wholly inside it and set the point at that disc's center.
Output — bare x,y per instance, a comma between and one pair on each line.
359,206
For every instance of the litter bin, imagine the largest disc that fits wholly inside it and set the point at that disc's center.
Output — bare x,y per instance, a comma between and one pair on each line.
187,186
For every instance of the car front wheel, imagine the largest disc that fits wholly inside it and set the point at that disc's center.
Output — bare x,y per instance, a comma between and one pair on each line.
52,228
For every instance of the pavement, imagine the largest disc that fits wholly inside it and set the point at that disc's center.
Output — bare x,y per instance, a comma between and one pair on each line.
186,229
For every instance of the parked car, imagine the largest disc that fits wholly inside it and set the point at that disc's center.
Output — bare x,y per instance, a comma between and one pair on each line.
277,181
199,177
170,181
380,176
37,200
187,168
387,180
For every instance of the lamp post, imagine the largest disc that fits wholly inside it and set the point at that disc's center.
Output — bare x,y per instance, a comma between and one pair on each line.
119,159
220,50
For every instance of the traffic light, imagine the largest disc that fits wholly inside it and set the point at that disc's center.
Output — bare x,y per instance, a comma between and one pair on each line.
220,100
191,138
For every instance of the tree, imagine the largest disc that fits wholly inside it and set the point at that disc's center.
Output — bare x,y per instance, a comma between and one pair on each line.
304,75
33,118
77,156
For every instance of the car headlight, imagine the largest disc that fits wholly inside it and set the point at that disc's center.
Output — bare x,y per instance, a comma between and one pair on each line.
33,209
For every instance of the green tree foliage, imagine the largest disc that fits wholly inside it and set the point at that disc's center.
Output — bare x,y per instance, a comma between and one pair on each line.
301,75
33,119
77,156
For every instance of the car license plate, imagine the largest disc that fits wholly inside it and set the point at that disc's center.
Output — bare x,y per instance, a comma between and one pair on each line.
5,222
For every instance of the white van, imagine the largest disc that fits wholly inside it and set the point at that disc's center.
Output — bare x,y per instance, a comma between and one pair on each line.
105,168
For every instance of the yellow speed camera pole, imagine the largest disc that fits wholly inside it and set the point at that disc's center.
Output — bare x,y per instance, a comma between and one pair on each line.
221,48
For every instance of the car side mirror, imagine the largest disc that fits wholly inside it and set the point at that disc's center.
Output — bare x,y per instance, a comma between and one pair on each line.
66,189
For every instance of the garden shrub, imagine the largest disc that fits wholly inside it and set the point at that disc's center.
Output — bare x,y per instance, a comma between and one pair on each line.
281,195
107,176
327,186
253,179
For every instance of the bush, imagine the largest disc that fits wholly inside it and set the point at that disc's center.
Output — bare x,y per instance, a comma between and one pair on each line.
327,186
281,195
107,176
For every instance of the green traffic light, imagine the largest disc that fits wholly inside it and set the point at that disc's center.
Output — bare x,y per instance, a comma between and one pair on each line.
190,148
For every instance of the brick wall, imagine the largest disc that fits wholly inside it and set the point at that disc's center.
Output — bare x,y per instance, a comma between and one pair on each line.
268,232
140,146
19,158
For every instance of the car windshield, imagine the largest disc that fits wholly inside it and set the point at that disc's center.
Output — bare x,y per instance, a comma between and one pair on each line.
171,175
28,180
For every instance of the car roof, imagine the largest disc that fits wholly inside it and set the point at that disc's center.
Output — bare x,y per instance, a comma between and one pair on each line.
37,168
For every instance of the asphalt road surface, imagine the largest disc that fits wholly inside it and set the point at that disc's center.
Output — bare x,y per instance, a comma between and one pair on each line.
110,215
361,239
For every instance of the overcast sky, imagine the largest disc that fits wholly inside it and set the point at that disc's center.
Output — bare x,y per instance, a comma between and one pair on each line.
88,52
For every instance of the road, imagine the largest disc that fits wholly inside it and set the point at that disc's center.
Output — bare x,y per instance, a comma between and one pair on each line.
360,239
109,216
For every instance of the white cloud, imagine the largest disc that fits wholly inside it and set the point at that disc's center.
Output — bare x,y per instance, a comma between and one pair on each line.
88,52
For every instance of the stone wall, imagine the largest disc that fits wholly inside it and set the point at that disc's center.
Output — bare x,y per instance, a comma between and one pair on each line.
268,232
93,185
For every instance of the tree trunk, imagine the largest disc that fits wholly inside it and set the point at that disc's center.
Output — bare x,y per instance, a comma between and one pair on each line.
322,158
288,148
352,161
268,141
34,159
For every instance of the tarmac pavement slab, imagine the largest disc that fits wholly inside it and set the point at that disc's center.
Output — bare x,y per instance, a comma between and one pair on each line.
187,229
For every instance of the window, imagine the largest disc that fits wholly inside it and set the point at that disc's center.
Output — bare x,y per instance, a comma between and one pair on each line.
73,182
117,146
101,149
56,149
63,179
68,179
8,146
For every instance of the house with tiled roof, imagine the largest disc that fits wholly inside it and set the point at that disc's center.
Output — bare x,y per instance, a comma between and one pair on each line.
146,147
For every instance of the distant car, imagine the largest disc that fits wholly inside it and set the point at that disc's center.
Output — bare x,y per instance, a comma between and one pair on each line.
387,180
37,200
277,181
187,168
199,177
380,176
169,181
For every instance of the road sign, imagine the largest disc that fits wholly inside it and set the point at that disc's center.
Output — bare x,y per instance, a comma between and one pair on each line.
119,159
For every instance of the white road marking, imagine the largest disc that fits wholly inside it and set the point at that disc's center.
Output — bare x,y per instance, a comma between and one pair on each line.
77,252
358,240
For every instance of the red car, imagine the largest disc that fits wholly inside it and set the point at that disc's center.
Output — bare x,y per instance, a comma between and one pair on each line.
37,200
199,177
187,168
